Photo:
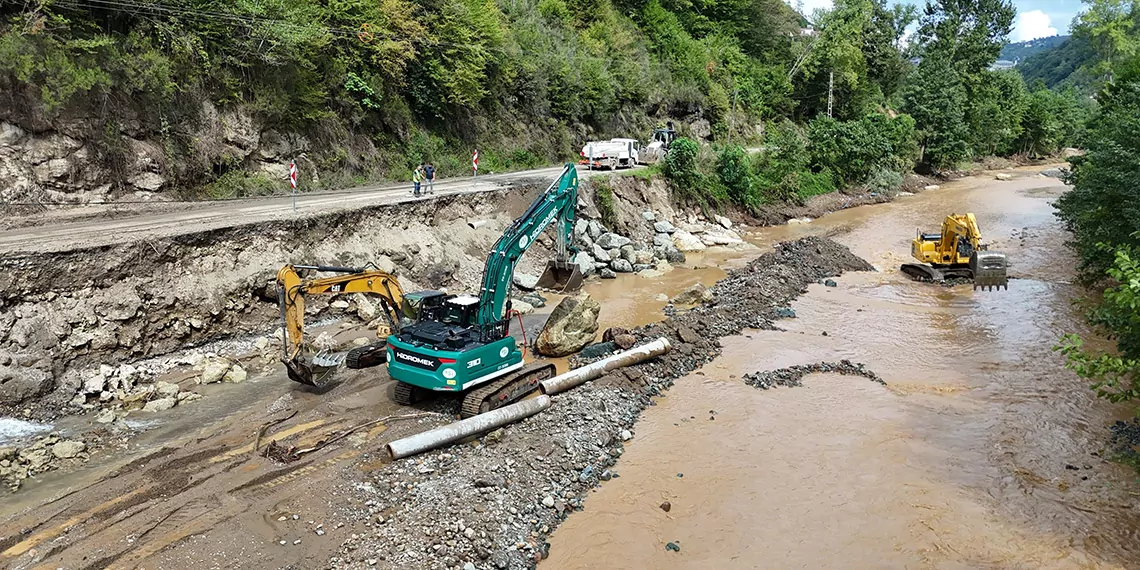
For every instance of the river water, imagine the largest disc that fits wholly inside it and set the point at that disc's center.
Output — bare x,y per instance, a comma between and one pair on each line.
980,452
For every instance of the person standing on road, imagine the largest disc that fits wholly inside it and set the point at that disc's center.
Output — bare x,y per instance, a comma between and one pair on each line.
417,177
429,175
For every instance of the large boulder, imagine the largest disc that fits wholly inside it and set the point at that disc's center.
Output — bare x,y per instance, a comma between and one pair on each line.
19,383
622,266
696,294
571,326
664,227
585,263
685,241
524,281
612,240
600,254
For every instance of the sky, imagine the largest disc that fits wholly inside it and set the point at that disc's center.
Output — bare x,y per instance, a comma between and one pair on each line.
1035,18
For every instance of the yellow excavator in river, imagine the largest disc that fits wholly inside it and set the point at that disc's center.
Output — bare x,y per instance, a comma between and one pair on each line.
957,253
291,292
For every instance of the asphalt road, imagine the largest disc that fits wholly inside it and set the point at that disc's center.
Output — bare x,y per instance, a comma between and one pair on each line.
55,235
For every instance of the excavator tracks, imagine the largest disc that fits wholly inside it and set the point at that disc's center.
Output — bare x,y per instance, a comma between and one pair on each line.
367,356
506,390
926,273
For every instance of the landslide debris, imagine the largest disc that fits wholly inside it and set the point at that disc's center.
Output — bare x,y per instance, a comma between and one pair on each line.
491,504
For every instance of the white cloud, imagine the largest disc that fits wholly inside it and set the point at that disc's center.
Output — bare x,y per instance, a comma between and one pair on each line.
1032,25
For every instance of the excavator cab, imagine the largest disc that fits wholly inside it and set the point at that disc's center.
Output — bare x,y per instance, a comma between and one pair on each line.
561,277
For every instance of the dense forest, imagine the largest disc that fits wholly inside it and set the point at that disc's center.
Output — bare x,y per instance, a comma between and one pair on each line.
376,86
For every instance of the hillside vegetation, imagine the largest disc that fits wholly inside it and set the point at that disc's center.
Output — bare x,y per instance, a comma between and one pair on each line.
1018,51
215,97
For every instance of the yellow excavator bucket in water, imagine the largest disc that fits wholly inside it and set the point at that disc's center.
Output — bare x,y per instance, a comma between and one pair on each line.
989,269
561,277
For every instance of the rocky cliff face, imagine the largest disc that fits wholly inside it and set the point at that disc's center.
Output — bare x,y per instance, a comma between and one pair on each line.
61,162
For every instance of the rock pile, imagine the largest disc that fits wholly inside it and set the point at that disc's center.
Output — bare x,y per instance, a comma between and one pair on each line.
45,454
792,375
118,391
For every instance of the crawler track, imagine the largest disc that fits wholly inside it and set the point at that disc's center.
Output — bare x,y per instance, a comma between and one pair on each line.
506,390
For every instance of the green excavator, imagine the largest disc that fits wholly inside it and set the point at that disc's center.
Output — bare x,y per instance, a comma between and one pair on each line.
462,343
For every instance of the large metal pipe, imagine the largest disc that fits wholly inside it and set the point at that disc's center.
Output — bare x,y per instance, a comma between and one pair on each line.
598,369
449,433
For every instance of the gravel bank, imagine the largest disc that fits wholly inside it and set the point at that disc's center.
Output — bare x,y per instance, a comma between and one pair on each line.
492,502
792,376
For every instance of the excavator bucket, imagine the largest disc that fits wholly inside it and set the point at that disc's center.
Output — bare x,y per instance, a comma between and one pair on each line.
560,276
989,269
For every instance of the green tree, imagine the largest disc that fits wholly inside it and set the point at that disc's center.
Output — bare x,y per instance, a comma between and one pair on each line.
1104,205
997,101
936,99
969,33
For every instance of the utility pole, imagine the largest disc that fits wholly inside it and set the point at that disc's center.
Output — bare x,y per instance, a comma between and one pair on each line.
830,91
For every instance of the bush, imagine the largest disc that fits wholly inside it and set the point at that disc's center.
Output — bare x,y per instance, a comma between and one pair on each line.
853,150
604,200
785,156
885,181
240,184
681,166
735,173
814,184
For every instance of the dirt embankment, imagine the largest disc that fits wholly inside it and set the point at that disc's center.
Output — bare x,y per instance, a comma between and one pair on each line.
493,504
63,315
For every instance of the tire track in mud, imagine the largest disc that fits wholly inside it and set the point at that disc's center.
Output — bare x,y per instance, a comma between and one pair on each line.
152,503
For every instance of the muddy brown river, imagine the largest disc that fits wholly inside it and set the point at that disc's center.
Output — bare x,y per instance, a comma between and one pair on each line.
979,452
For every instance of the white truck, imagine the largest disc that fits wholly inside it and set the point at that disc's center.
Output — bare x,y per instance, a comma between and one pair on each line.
611,154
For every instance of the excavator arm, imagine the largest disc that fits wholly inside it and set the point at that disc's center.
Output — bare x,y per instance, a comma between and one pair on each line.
555,205
291,292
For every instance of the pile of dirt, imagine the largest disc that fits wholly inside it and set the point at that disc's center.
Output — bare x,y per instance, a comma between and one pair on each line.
491,504
792,376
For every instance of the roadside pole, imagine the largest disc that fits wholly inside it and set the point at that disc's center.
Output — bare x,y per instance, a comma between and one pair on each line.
475,164
293,181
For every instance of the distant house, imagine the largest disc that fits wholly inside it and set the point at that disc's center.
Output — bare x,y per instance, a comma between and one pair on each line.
1003,64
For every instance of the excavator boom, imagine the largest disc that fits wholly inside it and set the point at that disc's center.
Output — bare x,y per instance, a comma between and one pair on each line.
291,292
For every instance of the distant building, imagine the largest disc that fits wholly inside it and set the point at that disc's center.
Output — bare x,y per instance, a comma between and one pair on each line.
1003,64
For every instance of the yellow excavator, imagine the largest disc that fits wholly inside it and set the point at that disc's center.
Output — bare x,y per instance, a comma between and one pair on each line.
957,253
291,291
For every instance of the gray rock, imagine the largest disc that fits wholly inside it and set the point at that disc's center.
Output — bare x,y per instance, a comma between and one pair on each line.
95,383
696,294
628,253
615,253
524,281
571,326
649,216
685,241
10,133
642,257
607,273
664,227
785,313
1054,172
235,375
160,405
19,383
148,181
674,256
68,449
580,227
723,221
598,349
594,229
534,299
585,263
622,266
165,389
612,240
600,254
830,283
522,307
213,371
